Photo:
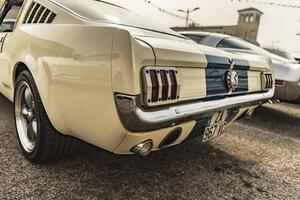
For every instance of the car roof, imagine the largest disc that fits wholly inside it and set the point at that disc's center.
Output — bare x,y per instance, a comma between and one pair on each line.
106,12
194,33
112,4
205,34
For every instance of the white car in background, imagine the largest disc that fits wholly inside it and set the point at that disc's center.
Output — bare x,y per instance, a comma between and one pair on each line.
287,72
296,56
293,56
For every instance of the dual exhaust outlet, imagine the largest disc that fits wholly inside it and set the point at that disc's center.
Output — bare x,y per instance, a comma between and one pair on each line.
273,101
144,148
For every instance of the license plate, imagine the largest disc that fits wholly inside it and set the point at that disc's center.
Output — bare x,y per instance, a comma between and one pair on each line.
216,126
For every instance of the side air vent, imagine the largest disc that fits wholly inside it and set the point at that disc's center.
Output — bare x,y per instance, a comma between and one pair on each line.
38,14
51,18
161,85
267,81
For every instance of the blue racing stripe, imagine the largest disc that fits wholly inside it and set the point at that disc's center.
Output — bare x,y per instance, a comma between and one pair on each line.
216,81
241,64
216,73
217,62
243,81
199,128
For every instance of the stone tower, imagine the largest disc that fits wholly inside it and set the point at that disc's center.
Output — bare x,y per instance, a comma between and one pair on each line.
248,24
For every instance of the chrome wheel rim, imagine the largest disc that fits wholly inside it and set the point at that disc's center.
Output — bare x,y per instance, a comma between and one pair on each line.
25,114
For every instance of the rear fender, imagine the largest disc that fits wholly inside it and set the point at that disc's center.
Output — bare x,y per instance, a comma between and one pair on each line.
71,66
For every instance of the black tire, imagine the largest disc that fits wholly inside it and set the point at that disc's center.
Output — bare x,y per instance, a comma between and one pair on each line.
50,144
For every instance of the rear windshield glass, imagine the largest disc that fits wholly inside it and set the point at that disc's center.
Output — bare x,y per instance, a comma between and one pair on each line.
197,38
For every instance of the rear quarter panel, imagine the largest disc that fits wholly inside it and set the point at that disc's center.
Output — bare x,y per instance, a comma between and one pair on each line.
71,66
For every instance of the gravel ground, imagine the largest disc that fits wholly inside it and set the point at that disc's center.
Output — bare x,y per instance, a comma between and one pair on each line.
255,159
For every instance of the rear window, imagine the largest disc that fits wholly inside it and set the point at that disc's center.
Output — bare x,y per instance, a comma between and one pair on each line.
197,38
232,43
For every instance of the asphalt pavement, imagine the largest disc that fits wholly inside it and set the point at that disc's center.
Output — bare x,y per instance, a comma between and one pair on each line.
255,159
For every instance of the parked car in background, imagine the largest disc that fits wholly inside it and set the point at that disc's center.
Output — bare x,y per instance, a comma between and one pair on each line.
95,71
287,72
296,56
285,54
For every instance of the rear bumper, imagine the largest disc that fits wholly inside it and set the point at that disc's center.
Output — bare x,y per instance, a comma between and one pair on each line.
137,120
293,91
288,91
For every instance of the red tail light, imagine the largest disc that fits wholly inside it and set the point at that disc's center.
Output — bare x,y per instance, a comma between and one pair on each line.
161,85
155,86
173,84
267,81
165,85
279,82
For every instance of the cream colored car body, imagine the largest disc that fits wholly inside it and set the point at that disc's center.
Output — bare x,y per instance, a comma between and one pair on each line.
79,63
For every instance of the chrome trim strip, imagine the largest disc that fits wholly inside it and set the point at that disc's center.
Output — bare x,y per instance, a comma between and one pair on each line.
135,119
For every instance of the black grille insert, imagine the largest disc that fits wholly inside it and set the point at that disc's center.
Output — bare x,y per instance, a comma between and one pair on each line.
38,14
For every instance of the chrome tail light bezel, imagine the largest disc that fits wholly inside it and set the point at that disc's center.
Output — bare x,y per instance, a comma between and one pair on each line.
171,77
267,80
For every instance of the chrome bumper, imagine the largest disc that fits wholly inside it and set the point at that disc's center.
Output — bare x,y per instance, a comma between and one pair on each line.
135,119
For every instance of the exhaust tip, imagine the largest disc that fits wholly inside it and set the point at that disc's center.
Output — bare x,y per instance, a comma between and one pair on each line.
249,114
273,101
270,101
144,148
171,138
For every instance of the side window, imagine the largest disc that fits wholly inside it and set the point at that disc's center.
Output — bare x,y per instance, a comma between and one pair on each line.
9,19
231,43
196,38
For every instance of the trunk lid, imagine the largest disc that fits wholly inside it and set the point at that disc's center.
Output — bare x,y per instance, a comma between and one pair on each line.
204,70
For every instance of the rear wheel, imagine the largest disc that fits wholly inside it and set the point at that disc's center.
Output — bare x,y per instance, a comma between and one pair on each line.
38,139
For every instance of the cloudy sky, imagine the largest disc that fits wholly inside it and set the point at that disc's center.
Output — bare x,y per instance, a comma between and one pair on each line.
279,24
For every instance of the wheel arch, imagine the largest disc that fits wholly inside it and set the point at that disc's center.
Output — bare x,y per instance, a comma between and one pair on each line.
57,67
18,69
30,65
15,70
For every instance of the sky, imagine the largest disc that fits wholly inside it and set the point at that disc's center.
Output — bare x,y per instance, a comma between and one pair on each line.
279,25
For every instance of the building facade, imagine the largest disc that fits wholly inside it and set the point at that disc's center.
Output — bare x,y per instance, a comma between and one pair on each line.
247,27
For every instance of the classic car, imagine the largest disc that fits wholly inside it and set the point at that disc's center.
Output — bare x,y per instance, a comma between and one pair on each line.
287,72
297,56
293,56
95,71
